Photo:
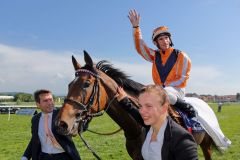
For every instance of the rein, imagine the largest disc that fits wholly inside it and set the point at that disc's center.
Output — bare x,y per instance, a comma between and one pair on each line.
111,133
105,134
88,146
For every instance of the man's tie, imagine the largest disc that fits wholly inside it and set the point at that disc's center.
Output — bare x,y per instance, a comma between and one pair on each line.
48,133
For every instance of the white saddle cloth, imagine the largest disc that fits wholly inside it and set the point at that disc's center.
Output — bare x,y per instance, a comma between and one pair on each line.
209,122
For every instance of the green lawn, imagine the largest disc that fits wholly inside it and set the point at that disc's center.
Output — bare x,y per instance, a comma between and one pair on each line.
15,135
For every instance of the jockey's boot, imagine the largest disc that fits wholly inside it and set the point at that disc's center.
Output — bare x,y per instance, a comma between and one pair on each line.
185,107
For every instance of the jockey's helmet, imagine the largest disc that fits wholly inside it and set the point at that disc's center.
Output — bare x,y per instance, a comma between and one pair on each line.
160,31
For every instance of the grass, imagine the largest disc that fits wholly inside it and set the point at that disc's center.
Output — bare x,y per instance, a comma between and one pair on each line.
15,135
229,123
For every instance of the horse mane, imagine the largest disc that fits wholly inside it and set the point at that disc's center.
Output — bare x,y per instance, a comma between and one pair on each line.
119,77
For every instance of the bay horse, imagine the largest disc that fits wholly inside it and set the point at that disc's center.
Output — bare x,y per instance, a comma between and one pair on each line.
93,91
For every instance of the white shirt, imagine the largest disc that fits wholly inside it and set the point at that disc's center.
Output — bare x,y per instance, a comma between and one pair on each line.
47,146
153,150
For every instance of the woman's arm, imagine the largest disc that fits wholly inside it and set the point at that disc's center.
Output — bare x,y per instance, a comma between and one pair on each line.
128,106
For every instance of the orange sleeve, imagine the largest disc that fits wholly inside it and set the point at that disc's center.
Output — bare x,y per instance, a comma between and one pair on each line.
142,49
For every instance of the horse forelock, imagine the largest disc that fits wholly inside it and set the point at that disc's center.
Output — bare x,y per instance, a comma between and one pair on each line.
119,77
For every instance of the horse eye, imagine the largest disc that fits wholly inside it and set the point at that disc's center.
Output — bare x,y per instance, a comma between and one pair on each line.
86,84
78,115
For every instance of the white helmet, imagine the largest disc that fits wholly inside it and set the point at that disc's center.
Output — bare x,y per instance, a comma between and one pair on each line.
163,30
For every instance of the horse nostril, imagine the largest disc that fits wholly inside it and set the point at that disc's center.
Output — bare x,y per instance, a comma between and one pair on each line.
63,125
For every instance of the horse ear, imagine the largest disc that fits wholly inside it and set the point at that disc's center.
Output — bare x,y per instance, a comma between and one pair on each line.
75,63
88,59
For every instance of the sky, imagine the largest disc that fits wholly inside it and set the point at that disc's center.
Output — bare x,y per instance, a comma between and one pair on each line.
38,38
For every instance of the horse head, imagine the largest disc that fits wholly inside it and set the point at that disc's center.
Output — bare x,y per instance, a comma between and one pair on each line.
87,97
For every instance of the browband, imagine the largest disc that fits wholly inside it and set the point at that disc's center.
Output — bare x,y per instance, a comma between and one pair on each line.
86,71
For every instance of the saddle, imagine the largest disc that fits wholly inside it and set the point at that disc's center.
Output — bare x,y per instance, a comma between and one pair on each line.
180,117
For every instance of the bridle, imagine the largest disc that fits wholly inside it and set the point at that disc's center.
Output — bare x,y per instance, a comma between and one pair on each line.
86,108
88,105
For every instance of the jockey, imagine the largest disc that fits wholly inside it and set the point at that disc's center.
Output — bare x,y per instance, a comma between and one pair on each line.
170,67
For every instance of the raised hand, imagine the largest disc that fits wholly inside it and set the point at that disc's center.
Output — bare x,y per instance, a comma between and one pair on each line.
134,18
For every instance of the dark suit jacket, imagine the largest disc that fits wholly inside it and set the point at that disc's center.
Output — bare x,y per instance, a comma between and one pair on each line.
178,144
34,147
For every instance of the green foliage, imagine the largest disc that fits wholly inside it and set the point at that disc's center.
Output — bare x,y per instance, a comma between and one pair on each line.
18,102
23,97
15,135
19,98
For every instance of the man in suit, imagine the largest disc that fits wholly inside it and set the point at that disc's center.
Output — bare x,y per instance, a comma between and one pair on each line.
46,143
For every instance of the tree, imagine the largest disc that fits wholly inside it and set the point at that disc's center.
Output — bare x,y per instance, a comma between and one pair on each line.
23,97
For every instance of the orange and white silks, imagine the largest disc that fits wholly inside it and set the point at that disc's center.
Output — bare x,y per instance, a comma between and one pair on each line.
178,74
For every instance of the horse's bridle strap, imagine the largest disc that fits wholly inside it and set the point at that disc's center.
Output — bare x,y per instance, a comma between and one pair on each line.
89,104
86,71
78,104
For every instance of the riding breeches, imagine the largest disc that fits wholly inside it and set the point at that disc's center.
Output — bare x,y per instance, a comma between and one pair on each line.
174,93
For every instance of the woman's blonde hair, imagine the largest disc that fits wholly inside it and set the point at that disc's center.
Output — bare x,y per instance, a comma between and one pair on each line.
158,91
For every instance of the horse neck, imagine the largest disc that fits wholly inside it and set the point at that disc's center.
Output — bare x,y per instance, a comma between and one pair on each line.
108,84
116,112
131,127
